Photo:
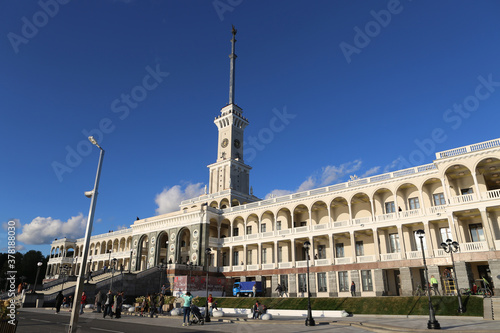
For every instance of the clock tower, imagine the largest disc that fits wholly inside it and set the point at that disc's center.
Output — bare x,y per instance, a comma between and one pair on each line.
229,172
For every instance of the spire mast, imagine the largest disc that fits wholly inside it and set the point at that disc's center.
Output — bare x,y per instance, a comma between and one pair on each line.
232,56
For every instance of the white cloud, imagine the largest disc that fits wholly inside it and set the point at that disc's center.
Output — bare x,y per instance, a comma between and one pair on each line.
328,175
43,230
391,166
371,171
170,198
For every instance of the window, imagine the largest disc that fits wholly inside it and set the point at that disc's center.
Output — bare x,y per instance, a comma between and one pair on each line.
339,250
249,230
366,280
360,251
224,259
321,251
284,282
418,245
464,191
278,225
302,283
280,254
236,258
414,203
439,199
322,282
235,231
389,207
394,243
476,232
249,257
303,223
343,281
263,227
445,234
264,255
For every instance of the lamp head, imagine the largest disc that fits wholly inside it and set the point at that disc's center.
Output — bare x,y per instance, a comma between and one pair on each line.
444,245
420,233
39,264
307,245
208,250
94,142
89,194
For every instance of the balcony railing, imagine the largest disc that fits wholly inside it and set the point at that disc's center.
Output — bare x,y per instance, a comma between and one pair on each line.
465,198
301,229
268,266
302,263
239,268
360,259
321,262
252,267
474,247
440,253
285,264
414,254
390,256
345,260
410,213
320,226
493,194
437,209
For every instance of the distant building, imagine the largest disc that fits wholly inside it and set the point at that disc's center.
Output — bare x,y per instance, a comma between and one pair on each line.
363,230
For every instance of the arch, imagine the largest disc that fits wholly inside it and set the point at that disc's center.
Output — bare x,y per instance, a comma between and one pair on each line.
284,219
224,203
384,201
225,228
405,195
183,246
142,253
459,180
252,224
300,216
319,213
214,204
267,221
162,247
488,174
339,209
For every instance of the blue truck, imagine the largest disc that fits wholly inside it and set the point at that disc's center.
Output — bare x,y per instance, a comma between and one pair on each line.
246,288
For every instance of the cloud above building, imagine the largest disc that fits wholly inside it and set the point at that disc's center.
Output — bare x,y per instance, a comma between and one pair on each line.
170,198
43,230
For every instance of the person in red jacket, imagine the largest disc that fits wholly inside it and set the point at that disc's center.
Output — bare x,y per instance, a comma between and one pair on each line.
83,302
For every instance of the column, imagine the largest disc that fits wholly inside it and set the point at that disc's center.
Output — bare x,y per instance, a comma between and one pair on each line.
244,256
446,190
292,285
464,274
332,248
406,281
428,240
375,243
373,210
231,258
350,212
259,255
274,285
332,284
353,246
476,186
495,274
422,203
275,254
488,230
453,228
378,282
402,244
293,252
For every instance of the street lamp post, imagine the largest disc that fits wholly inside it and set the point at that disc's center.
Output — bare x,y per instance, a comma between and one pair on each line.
109,258
190,267
309,319
207,256
88,232
449,247
130,261
432,324
112,273
39,264
161,266
64,270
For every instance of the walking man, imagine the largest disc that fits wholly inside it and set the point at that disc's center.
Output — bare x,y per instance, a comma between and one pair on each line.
353,289
108,304
279,289
59,300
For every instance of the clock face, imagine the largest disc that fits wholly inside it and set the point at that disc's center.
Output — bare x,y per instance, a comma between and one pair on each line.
224,143
237,143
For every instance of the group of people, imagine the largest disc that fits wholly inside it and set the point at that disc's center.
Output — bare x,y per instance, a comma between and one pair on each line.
258,310
281,290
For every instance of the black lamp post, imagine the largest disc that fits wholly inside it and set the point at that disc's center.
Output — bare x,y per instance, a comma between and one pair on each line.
309,319
112,273
130,261
160,267
208,251
63,272
449,247
432,324
190,267
39,264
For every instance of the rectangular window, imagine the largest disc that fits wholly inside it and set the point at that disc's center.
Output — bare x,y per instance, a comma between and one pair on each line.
235,231
264,255
360,251
445,234
321,252
249,230
224,259
366,280
278,225
280,254
418,245
249,257
476,232
236,257
303,223
302,283
322,282
263,227
284,282
464,191
343,281
394,243
414,203
389,207
339,250
439,199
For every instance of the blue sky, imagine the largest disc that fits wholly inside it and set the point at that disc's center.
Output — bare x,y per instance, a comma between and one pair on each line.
354,86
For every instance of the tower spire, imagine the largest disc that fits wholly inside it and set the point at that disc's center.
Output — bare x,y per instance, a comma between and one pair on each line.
232,56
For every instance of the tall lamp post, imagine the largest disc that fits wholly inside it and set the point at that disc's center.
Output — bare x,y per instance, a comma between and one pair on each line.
432,324
309,319
75,313
449,247
208,251
112,273
39,264
161,266
130,261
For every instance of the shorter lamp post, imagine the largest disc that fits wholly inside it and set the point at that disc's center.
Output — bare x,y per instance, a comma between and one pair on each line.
208,251
112,273
39,264
432,324
130,261
161,266
63,272
190,267
309,319
449,247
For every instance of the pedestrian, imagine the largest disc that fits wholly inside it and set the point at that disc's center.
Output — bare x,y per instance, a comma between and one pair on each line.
279,289
262,310
70,301
105,268
152,305
254,289
121,268
98,302
255,310
89,277
435,285
353,289
210,301
65,302
187,307
108,304
118,305
59,301
163,290
83,301
160,304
